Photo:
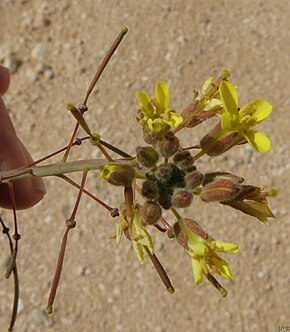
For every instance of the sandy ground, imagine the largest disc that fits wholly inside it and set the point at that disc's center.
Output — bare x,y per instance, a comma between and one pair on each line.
55,47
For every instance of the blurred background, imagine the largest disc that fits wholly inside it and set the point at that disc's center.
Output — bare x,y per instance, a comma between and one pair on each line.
53,49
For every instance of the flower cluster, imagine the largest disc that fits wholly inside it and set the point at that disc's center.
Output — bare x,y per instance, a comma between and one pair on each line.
167,176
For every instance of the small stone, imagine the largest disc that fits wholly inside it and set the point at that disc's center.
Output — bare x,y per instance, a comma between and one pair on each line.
48,73
38,51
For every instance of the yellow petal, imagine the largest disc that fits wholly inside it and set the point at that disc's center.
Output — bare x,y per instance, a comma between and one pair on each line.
172,119
263,110
197,271
155,125
229,97
212,105
138,248
207,86
142,99
228,121
162,95
221,267
258,141
228,248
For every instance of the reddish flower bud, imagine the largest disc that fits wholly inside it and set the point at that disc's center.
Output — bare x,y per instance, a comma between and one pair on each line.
168,144
182,198
220,146
183,159
150,189
193,179
151,212
213,176
147,156
222,190
151,137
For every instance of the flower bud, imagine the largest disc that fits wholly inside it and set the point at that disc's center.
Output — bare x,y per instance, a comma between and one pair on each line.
182,198
147,156
213,148
183,159
165,200
213,176
118,174
149,189
222,190
168,144
193,179
151,212
180,236
195,228
164,173
151,137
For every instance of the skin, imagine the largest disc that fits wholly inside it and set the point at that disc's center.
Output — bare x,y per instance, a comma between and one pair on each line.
13,154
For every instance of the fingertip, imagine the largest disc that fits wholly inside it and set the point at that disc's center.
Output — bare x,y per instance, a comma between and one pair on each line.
4,79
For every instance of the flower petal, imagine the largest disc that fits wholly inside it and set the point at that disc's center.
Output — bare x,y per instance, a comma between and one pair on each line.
172,119
142,99
139,251
162,95
197,271
229,97
227,121
263,110
207,86
228,248
221,267
258,141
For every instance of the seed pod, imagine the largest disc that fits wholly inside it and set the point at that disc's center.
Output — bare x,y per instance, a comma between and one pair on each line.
118,174
147,156
151,212
193,179
168,144
149,189
182,198
183,159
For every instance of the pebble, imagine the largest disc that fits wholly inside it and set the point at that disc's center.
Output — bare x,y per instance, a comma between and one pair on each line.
38,51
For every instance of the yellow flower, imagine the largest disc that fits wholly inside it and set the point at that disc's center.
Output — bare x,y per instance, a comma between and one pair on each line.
156,116
135,231
242,121
203,251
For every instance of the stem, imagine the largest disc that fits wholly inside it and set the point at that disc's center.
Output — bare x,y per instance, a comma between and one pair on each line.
105,153
105,62
160,270
15,278
52,170
57,274
59,151
70,181
81,189
70,224
177,215
115,149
